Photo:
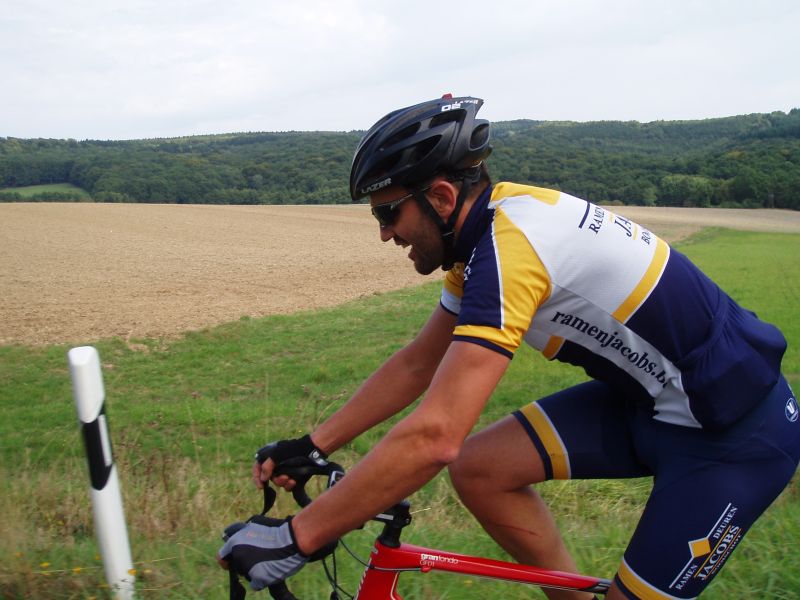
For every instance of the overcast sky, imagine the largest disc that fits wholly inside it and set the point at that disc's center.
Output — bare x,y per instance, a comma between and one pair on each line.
108,69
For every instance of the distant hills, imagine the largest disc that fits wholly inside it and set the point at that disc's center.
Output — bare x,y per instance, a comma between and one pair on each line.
742,161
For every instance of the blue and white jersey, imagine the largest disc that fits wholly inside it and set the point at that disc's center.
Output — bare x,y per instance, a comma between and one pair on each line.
591,288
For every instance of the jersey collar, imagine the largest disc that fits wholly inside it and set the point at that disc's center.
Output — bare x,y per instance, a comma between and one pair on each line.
477,222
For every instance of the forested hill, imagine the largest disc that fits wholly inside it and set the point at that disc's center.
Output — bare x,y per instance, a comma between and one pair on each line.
750,161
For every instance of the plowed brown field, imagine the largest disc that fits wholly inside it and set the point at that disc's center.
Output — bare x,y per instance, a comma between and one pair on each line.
81,272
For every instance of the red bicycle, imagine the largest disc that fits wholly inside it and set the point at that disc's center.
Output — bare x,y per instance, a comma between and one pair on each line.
390,557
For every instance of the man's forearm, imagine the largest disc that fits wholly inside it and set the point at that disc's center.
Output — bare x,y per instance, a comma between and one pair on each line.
400,381
377,482
388,391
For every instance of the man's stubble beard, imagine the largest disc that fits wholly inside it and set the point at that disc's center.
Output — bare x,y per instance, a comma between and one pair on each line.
429,251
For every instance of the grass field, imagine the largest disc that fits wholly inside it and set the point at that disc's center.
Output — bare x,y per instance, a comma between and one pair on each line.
186,414
34,191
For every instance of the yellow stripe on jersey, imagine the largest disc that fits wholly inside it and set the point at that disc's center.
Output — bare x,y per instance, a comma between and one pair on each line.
550,440
454,280
639,587
553,346
511,190
524,286
646,283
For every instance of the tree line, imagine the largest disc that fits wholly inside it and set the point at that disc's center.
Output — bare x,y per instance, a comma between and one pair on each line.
742,161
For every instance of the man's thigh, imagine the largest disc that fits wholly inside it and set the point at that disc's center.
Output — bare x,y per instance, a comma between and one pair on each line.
500,456
583,432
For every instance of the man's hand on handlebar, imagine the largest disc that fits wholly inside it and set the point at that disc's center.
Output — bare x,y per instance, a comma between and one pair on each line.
264,549
294,452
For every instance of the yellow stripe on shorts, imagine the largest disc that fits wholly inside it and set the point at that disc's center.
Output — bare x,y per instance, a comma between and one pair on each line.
639,586
550,440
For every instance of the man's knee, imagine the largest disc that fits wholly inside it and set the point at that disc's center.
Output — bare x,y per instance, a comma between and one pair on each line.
467,470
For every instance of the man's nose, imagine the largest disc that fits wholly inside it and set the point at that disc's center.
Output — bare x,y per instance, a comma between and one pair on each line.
386,233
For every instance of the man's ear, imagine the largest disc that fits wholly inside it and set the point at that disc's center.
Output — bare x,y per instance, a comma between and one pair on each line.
442,196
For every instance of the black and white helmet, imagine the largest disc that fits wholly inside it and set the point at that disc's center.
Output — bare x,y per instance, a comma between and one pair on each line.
409,146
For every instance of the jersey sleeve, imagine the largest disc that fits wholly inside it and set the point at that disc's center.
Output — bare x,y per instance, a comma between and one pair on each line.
502,285
453,289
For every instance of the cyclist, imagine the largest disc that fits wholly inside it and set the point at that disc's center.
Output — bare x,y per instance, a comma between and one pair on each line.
685,384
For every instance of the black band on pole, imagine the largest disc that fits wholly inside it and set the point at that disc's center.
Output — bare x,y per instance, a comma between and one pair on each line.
98,449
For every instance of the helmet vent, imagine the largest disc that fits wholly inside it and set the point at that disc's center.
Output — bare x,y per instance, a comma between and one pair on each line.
402,135
423,149
443,118
480,136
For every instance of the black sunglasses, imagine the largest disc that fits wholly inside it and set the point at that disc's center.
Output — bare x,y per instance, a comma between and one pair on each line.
387,213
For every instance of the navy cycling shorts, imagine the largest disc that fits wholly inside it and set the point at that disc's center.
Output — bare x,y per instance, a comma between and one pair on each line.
708,487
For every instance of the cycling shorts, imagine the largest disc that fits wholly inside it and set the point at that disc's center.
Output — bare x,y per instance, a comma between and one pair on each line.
708,487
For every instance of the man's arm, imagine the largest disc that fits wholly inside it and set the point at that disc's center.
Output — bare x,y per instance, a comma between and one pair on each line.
395,385
413,452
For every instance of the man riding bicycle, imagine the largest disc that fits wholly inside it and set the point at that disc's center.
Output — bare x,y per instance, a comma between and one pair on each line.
685,384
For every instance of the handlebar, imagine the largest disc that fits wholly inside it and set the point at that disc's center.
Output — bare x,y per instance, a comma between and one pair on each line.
302,473
394,519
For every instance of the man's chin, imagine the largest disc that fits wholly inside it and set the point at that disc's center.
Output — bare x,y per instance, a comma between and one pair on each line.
424,264
426,267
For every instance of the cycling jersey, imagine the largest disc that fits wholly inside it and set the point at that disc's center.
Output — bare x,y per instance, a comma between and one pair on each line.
586,286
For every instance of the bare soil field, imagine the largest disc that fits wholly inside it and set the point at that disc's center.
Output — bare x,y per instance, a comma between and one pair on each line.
75,273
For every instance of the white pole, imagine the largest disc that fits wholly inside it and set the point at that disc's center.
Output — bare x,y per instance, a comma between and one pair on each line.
109,518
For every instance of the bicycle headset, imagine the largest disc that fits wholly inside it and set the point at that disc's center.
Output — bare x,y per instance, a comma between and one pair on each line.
412,145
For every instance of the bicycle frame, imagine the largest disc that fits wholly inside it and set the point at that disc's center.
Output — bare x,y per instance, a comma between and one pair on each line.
390,558
381,577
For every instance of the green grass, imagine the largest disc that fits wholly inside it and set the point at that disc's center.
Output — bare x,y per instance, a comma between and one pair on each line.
186,414
33,191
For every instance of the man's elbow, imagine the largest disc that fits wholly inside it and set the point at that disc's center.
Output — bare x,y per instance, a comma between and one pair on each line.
440,445
447,453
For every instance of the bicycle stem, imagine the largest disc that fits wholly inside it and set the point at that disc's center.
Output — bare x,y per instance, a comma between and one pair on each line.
394,520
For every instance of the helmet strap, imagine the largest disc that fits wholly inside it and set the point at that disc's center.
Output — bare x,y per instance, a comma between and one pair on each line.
447,228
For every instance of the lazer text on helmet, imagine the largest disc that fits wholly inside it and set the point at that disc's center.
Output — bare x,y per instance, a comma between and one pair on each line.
377,186
457,105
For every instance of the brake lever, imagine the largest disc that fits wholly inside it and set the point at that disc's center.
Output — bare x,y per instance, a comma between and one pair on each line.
301,474
279,591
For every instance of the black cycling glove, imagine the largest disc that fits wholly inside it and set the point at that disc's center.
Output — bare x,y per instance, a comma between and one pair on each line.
295,452
263,551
